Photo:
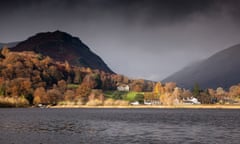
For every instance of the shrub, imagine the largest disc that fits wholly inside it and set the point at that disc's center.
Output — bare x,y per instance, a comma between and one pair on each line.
78,102
121,103
13,102
109,102
134,96
94,102
115,94
139,97
66,103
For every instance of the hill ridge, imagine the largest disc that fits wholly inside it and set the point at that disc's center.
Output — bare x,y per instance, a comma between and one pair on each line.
219,70
62,46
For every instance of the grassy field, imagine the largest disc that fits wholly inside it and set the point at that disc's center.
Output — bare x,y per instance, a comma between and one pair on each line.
72,86
123,95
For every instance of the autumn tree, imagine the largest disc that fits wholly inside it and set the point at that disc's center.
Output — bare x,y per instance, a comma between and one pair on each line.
205,98
166,99
54,96
83,92
96,94
19,69
212,92
234,92
55,74
40,96
37,80
149,86
46,61
125,80
177,93
107,82
220,94
158,88
62,86
137,85
186,94
27,90
93,81
69,95
18,87
169,86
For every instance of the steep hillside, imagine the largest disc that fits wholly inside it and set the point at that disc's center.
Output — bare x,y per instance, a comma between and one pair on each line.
220,70
61,46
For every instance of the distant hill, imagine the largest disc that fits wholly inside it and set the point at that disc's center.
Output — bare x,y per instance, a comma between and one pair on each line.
9,45
62,46
220,70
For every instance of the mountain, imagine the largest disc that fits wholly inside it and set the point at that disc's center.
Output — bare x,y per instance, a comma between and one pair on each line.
220,70
11,44
63,47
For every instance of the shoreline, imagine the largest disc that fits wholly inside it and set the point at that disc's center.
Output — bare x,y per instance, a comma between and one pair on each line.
157,107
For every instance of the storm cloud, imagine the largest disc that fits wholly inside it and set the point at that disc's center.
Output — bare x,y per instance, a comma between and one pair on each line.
148,39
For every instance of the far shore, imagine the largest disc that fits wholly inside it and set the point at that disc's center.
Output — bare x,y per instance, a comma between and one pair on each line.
157,106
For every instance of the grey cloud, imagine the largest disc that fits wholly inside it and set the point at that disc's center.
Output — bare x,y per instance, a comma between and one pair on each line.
139,38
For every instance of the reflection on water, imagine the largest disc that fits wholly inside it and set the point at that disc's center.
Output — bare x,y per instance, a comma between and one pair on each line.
119,126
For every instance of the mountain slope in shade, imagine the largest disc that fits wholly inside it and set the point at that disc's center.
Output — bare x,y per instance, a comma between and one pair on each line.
62,46
220,70
9,45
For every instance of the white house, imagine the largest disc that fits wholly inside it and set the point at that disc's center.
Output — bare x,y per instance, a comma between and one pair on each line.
123,87
191,100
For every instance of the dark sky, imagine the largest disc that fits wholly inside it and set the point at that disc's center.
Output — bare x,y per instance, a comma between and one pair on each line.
139,38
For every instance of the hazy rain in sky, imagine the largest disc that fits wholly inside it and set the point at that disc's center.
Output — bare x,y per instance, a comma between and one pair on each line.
148,39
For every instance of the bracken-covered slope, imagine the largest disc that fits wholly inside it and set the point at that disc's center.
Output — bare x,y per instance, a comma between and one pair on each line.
220,70
63,47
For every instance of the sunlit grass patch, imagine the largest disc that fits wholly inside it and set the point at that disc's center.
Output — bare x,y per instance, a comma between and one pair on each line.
13,102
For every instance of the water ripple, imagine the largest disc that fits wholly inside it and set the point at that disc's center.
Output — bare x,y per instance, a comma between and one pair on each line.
117,126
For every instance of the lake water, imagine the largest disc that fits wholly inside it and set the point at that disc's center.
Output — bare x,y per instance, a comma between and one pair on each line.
119,126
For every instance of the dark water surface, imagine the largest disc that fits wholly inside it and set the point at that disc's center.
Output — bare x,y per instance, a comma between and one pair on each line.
119,126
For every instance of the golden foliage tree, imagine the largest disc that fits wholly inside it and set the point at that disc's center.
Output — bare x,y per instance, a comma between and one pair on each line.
40,96
220,94
54,96
234,91
186,94
83,92
167,99
158,88
169,86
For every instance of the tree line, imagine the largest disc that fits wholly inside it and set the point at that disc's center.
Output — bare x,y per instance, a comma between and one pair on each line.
170,94
28,78
40,79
